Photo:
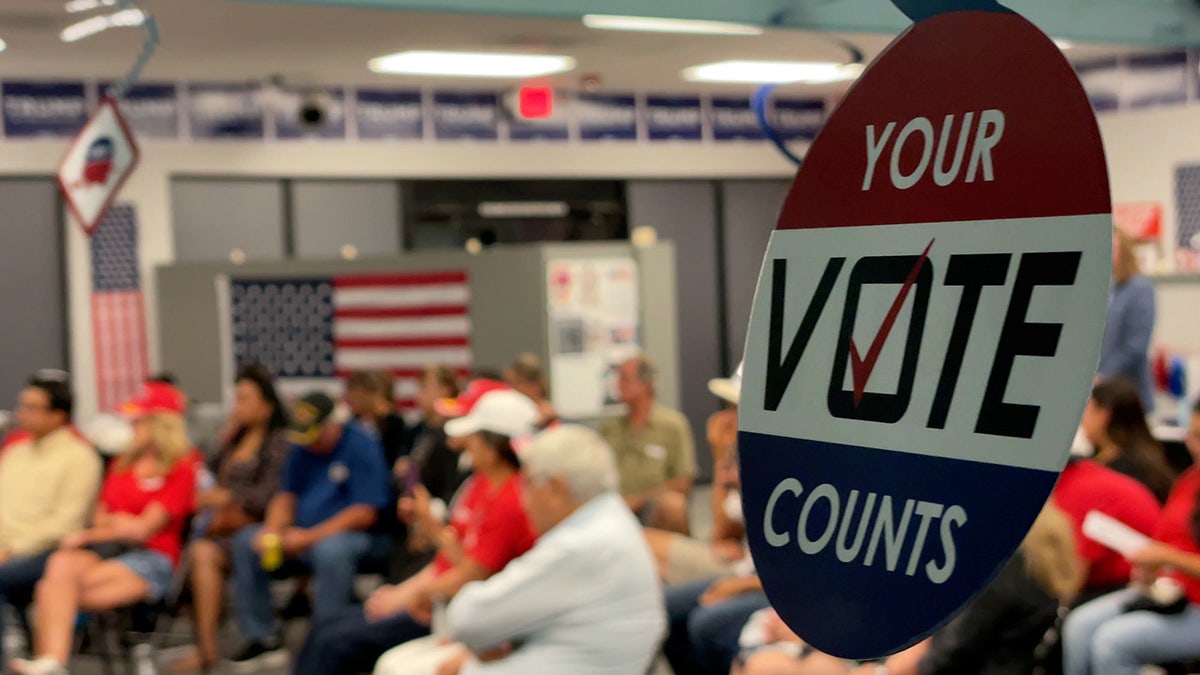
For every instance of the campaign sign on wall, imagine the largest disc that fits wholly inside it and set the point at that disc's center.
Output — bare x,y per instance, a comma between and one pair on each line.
925,332
732,119
151,110
798,119
226,111
389,114
459,116
34,109
556,127
607,117
97,164
674,118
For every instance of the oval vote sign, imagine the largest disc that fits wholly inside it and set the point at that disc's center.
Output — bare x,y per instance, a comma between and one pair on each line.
926,328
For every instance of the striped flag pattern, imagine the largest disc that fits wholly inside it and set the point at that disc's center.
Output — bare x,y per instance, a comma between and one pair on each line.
118,313
311,332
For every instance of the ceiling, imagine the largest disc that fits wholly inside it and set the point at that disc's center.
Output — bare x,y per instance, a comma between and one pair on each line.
226,40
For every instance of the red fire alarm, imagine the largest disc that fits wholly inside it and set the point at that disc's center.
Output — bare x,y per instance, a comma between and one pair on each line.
535,103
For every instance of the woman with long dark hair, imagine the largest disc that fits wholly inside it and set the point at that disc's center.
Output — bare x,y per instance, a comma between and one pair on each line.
247,471
1158,620
1115,424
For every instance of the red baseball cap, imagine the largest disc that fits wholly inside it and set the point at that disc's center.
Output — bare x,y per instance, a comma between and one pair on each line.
457,407
156,397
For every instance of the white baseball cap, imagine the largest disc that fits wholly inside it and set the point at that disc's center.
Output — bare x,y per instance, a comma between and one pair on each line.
728,388
507,412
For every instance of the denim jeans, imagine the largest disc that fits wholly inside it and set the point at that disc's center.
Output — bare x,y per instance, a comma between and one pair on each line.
704,640
349,643
18,577
333,562
1099,638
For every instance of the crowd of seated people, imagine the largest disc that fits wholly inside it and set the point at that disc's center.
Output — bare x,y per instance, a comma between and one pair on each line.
515,542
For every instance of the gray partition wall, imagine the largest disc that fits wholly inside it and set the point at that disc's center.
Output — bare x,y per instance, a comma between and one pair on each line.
331,214
685,213
212,217
507,305
34,306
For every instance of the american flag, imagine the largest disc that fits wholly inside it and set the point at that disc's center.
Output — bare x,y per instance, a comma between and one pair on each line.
118,315
310,332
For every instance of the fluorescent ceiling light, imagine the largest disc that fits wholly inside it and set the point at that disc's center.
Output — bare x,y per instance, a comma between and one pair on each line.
649,24
76,6
773,72
1063,44
464,64
524,209
99,24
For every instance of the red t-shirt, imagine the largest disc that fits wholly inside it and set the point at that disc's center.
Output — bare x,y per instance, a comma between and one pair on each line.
1175,526
491,524
176,492
1087,486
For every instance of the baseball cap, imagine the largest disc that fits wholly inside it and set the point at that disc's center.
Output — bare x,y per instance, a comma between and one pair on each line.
309,415
505,412
457,407
155,398
728,388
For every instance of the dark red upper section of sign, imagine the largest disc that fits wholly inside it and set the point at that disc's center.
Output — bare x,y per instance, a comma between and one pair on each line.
1049,162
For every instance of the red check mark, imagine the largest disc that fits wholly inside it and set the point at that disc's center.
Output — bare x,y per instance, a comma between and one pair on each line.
861,368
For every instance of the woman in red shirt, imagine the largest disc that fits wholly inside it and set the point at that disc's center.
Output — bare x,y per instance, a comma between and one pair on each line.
130,553
1107,636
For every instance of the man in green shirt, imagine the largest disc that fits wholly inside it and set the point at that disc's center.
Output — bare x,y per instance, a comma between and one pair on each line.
655,453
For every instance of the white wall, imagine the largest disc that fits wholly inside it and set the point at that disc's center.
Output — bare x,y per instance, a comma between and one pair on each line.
149,190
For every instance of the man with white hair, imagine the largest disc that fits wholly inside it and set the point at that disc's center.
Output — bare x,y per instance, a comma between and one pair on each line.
584,600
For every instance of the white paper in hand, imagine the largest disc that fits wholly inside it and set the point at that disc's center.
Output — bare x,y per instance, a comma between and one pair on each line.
1113,533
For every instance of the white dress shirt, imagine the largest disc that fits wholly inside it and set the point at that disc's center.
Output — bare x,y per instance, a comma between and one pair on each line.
585,600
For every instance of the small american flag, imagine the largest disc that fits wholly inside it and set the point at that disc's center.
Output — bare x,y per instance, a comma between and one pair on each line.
118,315
311,331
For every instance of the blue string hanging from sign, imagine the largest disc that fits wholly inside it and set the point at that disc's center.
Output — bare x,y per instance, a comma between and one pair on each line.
149,46
759,105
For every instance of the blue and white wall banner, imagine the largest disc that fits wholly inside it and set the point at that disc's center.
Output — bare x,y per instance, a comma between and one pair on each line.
382,114
607,117
150,110
674,118
466,115
288,125
553,128
1156,80
733,119
1103,81
798,119
226,111
31,109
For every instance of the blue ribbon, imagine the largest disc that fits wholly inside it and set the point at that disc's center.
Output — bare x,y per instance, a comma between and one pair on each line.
149,46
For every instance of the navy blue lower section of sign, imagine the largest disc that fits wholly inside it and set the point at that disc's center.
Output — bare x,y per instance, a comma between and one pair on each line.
831,596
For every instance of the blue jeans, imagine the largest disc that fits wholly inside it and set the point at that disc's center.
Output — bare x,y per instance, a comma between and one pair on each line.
704,640
333,562
18,577
1099,638
350,644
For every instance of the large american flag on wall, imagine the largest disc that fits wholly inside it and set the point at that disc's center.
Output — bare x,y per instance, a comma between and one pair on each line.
312,331
118,313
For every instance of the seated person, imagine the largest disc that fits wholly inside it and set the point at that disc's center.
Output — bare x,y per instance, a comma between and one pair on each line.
1114,422
655,453
35,515
488,528
370,395
247,474
1087,486
560,608
527,376
1108,636
998,633
682,559
334,483
130,553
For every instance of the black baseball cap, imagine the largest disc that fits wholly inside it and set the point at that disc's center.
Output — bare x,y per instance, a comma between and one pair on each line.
309,415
